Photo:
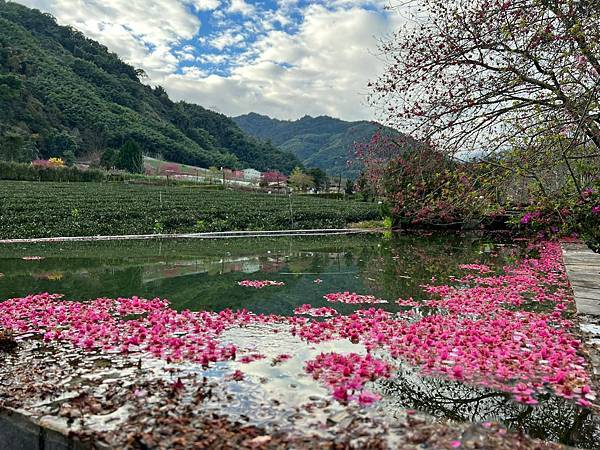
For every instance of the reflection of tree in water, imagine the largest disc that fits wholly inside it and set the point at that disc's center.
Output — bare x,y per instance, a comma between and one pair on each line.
404,263
553,419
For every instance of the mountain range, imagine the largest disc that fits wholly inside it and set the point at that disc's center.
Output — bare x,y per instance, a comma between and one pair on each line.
62,92
323,142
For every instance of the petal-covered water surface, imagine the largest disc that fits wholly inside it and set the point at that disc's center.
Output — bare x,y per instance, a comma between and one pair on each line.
463,327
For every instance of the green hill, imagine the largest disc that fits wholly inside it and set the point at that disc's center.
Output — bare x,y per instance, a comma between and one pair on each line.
60,91
322,142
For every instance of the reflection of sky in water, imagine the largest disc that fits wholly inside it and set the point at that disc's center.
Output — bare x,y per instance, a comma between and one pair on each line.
204,274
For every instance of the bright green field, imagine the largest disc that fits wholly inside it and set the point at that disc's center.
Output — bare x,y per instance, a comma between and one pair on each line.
40,209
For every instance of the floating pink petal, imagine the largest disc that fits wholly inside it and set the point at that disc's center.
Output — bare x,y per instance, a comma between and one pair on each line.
352,298
259,284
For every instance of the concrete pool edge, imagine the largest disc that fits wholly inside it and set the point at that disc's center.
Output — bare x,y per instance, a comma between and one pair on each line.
22,431
211,235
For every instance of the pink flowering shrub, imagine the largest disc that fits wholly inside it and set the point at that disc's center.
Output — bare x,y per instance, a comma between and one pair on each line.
352,298
257,284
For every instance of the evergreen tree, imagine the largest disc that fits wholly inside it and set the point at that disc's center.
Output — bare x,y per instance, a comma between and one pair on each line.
130,158
109,159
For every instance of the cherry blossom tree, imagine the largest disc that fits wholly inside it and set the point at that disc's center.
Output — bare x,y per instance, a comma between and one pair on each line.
486,75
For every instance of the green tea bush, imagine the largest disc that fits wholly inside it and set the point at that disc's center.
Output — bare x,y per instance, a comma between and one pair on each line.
36,209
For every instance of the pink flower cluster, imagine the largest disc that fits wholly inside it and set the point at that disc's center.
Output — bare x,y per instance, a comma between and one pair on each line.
408,302
315,312
101,324
346,375
478,337
251,358
352,298
259,284
481,268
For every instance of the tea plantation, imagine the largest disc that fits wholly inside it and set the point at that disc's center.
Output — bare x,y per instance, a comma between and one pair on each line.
44,209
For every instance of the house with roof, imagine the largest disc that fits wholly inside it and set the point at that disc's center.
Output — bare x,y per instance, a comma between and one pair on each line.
251,175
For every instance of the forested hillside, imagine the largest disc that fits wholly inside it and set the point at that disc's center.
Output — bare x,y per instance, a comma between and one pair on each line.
322,142
63,94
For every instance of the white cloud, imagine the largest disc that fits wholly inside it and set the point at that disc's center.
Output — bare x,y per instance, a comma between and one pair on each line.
240,6
321,67
138,30
206,5
214,58
227,39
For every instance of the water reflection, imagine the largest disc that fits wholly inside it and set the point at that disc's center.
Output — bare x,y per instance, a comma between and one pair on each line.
553,419
204,274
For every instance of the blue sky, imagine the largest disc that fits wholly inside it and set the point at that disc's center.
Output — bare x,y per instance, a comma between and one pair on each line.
283,58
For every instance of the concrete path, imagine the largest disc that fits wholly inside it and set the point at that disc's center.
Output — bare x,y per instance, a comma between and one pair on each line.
583,270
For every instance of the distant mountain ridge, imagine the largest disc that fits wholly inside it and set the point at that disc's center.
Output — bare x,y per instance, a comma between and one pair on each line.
324,142
62,92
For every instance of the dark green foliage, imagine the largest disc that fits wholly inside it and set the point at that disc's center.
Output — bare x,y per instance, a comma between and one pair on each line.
216,129
54,83
60,145
349,187
108,160
319,176
45,209
15,145
28,172
130,158
322,142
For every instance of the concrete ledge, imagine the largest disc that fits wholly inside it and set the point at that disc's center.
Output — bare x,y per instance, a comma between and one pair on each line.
19,431
214,235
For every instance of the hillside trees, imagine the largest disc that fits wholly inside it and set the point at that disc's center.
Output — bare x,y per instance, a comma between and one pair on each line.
319,177
55,81
300,180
